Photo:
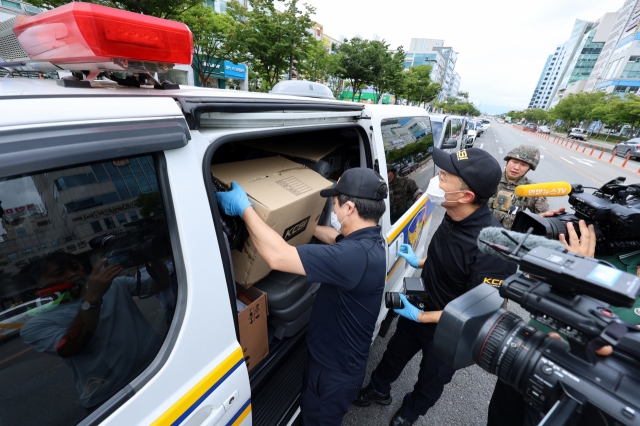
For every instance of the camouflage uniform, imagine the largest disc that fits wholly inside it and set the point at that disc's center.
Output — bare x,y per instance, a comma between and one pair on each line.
402,194
506,211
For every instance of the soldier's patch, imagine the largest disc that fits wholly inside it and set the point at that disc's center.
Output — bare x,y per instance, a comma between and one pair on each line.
462,155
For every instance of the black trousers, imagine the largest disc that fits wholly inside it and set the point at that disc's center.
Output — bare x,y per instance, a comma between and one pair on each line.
327,394
410,338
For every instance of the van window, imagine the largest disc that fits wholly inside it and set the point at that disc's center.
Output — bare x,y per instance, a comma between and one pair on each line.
408,146
59,361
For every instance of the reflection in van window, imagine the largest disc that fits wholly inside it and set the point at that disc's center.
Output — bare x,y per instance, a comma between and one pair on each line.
408,146
85,304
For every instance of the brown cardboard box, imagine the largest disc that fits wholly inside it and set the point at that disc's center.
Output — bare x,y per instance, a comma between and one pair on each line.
252,322
285,194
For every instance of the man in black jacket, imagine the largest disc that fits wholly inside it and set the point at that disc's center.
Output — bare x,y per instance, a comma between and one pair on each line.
454,265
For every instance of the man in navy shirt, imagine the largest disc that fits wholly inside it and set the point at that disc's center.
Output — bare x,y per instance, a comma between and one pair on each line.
351,267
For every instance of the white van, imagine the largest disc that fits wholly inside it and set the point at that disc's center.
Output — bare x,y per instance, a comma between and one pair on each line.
95,171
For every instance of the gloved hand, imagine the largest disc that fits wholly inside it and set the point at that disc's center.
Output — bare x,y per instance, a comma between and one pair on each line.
409,311
233,202
407,253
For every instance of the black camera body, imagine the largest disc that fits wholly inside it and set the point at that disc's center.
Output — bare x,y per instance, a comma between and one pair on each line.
613,209
567,380
413,289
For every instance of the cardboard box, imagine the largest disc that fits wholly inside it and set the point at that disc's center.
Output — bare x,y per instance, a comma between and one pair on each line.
252,322
285,194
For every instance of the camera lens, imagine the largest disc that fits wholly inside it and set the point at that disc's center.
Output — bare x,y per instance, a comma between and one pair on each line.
392,300
508,346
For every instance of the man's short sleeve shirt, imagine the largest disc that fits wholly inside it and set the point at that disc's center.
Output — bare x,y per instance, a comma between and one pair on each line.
352,273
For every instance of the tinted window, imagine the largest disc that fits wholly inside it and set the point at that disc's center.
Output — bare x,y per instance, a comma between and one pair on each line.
408,145
59,362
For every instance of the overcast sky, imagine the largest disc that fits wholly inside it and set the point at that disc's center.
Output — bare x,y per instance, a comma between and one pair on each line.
502,45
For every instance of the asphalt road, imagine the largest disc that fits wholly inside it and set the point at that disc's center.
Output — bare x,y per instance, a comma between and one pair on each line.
466,399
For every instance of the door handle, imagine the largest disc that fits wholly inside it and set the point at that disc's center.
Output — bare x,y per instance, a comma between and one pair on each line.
214,417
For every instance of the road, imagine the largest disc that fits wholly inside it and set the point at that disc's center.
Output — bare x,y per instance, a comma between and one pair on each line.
465,400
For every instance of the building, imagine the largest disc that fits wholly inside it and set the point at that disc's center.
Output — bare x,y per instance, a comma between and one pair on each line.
454,86
427,51
618,67
11,8
584,60
548,79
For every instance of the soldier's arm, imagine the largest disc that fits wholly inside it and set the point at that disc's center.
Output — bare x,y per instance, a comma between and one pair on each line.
539,205
413,189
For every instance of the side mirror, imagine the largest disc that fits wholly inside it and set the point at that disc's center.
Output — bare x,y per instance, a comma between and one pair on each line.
450,143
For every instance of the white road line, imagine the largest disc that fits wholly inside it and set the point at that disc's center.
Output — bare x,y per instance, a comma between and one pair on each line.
481,145
529,140
541,157
499,150
542,147
562,158
496,140
584,161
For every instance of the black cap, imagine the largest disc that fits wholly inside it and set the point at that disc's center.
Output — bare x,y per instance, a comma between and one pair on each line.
359,182
476,167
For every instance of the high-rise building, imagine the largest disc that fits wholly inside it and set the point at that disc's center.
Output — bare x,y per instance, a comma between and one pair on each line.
454,86
9,9
426,51
586,55
618,67
548,78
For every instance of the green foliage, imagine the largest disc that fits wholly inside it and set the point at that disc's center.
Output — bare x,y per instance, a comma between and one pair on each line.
169,9
418,84
150,204
269,40
576,108
409,150
212,33
388,69
536,115
353,63
458,107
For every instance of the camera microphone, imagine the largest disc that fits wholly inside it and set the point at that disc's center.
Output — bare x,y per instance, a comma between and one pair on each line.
496,236
545,189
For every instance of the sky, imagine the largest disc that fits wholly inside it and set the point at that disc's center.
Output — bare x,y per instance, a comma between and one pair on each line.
502,45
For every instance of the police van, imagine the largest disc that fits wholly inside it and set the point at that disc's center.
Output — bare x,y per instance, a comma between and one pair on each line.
112,171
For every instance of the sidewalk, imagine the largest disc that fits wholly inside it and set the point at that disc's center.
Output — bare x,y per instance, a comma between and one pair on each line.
608,146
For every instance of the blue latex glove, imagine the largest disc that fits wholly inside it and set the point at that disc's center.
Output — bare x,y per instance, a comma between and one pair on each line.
407,253
233,202
409,311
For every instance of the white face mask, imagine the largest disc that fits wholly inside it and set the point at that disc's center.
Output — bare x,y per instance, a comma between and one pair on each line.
436,194
337,225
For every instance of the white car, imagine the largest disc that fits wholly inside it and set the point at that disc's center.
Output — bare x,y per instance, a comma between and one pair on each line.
14,318
544,129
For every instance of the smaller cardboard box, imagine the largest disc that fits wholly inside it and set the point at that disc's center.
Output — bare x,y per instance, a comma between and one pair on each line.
285,194
252,322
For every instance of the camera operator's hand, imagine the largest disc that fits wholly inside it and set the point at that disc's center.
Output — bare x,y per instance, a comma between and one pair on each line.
99,282
585,245
551,213
603,351
407,253
233,202
408,311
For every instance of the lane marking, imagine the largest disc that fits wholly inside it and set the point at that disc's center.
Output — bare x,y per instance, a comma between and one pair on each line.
583,159
562,158
481,145
499,150
541,156
529,140
542,147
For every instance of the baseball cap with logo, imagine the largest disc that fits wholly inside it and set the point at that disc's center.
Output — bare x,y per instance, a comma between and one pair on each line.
476,167
359,182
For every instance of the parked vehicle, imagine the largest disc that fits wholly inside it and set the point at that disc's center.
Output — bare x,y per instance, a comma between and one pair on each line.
14,318
532,127
630,147
544,129
448,127
136,168
578,133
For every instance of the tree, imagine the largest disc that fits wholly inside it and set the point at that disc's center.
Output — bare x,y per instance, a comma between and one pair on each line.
168,9
272,42
419,86
536,115
212,33
353,64
388,67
